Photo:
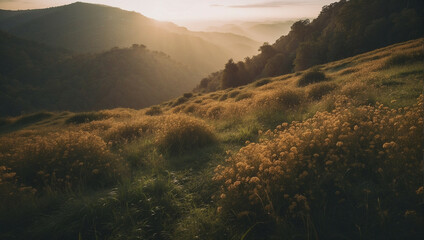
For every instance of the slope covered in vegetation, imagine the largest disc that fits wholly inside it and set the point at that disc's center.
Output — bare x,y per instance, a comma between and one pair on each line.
35,77
291,156
342,29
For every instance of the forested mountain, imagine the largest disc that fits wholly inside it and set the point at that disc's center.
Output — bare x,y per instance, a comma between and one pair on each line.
342,29
35,77
84,27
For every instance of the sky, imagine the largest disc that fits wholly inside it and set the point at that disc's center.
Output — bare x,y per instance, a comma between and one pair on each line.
180,11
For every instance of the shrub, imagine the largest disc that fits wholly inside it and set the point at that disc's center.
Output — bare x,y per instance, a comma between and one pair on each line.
312,76
223,97
58,160
190,108
129,131
262,82
180,134
363,93
86,117
153,111
214,112
179,101
318,91
188,95
233,94
243,96
289,98
363,162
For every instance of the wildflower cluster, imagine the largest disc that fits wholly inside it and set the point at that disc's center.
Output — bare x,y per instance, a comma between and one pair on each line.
57,160
351,159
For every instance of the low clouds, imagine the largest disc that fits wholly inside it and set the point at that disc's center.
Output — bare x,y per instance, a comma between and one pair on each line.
273,4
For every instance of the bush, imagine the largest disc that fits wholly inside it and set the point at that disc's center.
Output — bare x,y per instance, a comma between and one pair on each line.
363,162
180,134
188,95
318,91
312,76
126,132
190,108
362,92
214,112
289,98
243,96
223,97
179,101
86,117
58,160
233,94
262,82
153,111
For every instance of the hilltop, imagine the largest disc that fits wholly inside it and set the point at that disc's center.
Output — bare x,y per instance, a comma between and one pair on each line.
99,28
290,155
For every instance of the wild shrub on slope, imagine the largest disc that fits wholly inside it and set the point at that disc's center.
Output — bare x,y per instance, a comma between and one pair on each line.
58,160
180,134
363,162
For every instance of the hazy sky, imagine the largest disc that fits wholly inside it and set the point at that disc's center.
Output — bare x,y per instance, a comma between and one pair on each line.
183,10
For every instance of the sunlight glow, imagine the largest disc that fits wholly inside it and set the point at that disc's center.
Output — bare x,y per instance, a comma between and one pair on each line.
184,10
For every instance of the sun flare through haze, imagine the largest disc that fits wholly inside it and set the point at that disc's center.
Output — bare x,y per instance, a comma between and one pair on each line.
194,11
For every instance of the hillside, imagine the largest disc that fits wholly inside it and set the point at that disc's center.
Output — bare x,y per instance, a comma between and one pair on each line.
36,77
98,28
291,155
342,29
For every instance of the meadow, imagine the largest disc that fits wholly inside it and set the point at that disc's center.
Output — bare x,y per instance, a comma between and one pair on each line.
331,152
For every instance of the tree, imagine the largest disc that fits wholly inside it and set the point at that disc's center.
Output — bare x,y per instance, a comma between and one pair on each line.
230,76
278,65
307,55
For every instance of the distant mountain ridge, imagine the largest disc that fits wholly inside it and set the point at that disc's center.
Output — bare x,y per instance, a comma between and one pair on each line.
267,31
98,28
37,77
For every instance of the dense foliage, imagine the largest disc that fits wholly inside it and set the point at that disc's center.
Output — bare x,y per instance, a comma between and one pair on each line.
342,29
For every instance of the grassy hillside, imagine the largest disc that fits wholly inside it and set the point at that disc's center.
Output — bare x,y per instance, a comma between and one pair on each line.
98,28
342,29
332,152
34,77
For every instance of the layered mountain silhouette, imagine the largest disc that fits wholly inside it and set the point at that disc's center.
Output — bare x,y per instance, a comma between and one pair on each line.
83,28
36,77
